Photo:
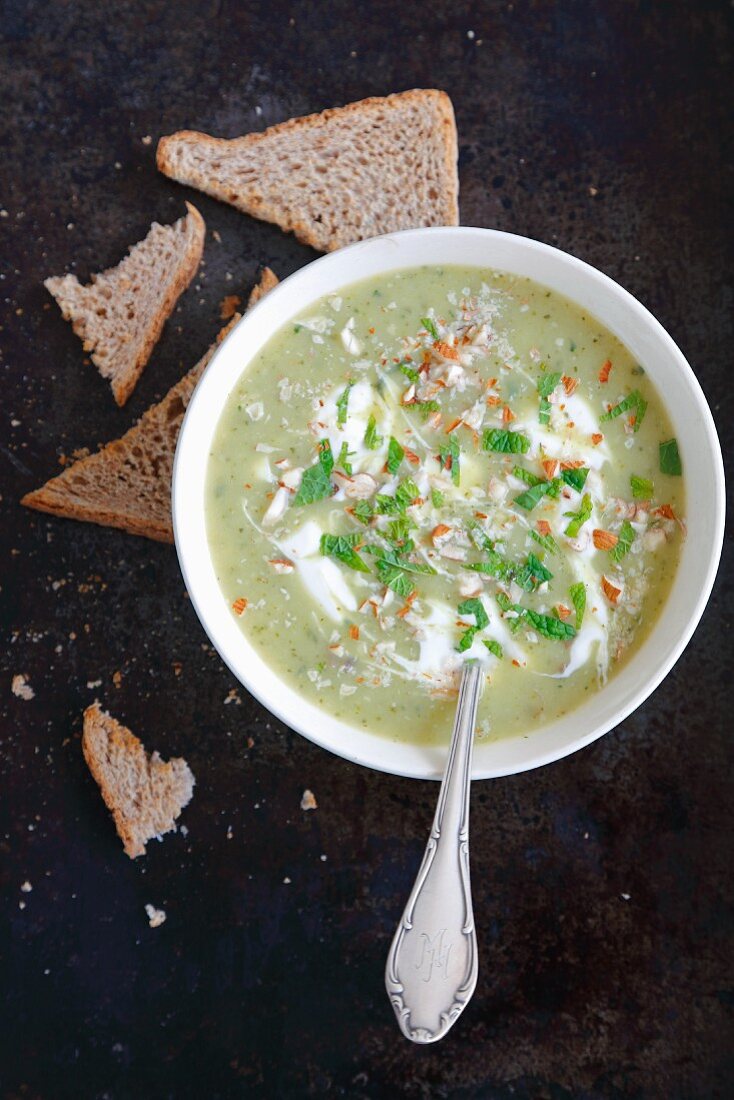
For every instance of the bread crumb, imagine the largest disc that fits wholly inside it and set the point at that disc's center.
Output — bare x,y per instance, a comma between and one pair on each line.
156,917
26,887
147,140
117,678
228,306
308,801
217,236
22,688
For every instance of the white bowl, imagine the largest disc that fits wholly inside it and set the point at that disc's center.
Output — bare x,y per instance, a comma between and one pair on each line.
621,314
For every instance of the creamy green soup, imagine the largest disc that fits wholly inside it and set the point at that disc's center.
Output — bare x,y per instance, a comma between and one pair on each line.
440,465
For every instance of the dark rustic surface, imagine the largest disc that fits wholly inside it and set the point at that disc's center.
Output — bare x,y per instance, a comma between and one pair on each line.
599,127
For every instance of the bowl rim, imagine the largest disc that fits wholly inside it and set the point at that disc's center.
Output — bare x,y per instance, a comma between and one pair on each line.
241,656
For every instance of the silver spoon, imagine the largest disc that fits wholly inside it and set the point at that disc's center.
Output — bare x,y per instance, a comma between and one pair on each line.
431,969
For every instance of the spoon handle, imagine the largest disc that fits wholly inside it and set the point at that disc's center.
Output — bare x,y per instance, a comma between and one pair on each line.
432,965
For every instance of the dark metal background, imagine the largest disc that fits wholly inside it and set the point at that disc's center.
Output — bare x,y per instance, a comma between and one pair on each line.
258,986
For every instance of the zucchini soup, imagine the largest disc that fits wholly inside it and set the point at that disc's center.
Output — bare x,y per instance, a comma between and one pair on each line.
436,465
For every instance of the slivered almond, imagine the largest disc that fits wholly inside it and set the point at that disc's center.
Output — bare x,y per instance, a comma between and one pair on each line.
543,527
605,370
239,606
596,438
611,591
435,420
563,611
454,425
354,633
569,384
412,457
604,540
550,465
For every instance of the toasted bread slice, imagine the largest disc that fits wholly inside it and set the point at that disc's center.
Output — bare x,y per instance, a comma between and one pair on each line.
120,315
346,174
127,484
144,793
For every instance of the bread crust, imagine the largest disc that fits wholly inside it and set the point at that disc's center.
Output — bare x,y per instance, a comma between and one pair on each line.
303,229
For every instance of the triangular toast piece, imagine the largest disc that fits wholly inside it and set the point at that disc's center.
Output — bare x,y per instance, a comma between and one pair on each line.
144,793
353,172
120,314
127,484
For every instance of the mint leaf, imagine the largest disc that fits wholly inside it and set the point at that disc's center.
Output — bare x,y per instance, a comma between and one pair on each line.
395,579
399,531
316,483
575,478
642,487
505,442
342,547
478,537
436,498
494,647
475,607
624,542
363,511
395,455
371,439
397,561
546,541
343,460
494,566
546,385
532,574
549,626
430,327
670,462
578,519
409,372
533,496
578,598
341,406
466,639
634,401
526,476
449,457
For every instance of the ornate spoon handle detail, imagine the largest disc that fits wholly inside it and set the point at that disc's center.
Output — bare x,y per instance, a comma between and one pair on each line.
431,969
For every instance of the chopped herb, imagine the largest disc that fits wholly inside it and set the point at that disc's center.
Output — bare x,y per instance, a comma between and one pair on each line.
506,442
341,406
670,462
494,647
371,439
436,498
575,478
578,519
363,511
449,457
578,599
475,607
547,625
427,407
642,487
406,492
466,639
533,496
399,531
532,574
634,401
343,459
624,541
526,476
546,541
409,372
546,385
572,345
395,455
398,561
342,547
494,566
316,480
478,537
396,579
430,327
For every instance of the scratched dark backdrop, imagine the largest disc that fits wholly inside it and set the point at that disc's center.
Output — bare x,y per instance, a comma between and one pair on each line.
602,884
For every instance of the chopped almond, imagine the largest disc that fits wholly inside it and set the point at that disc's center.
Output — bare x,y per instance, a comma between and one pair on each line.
481,515
239,606
492,399
605,371
507,414
572,464
611,591
435,420
446,350
354,633
604,540
412,457
550,465
596,438
543,527
563,611
440,533
664,510
282,565
569,384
